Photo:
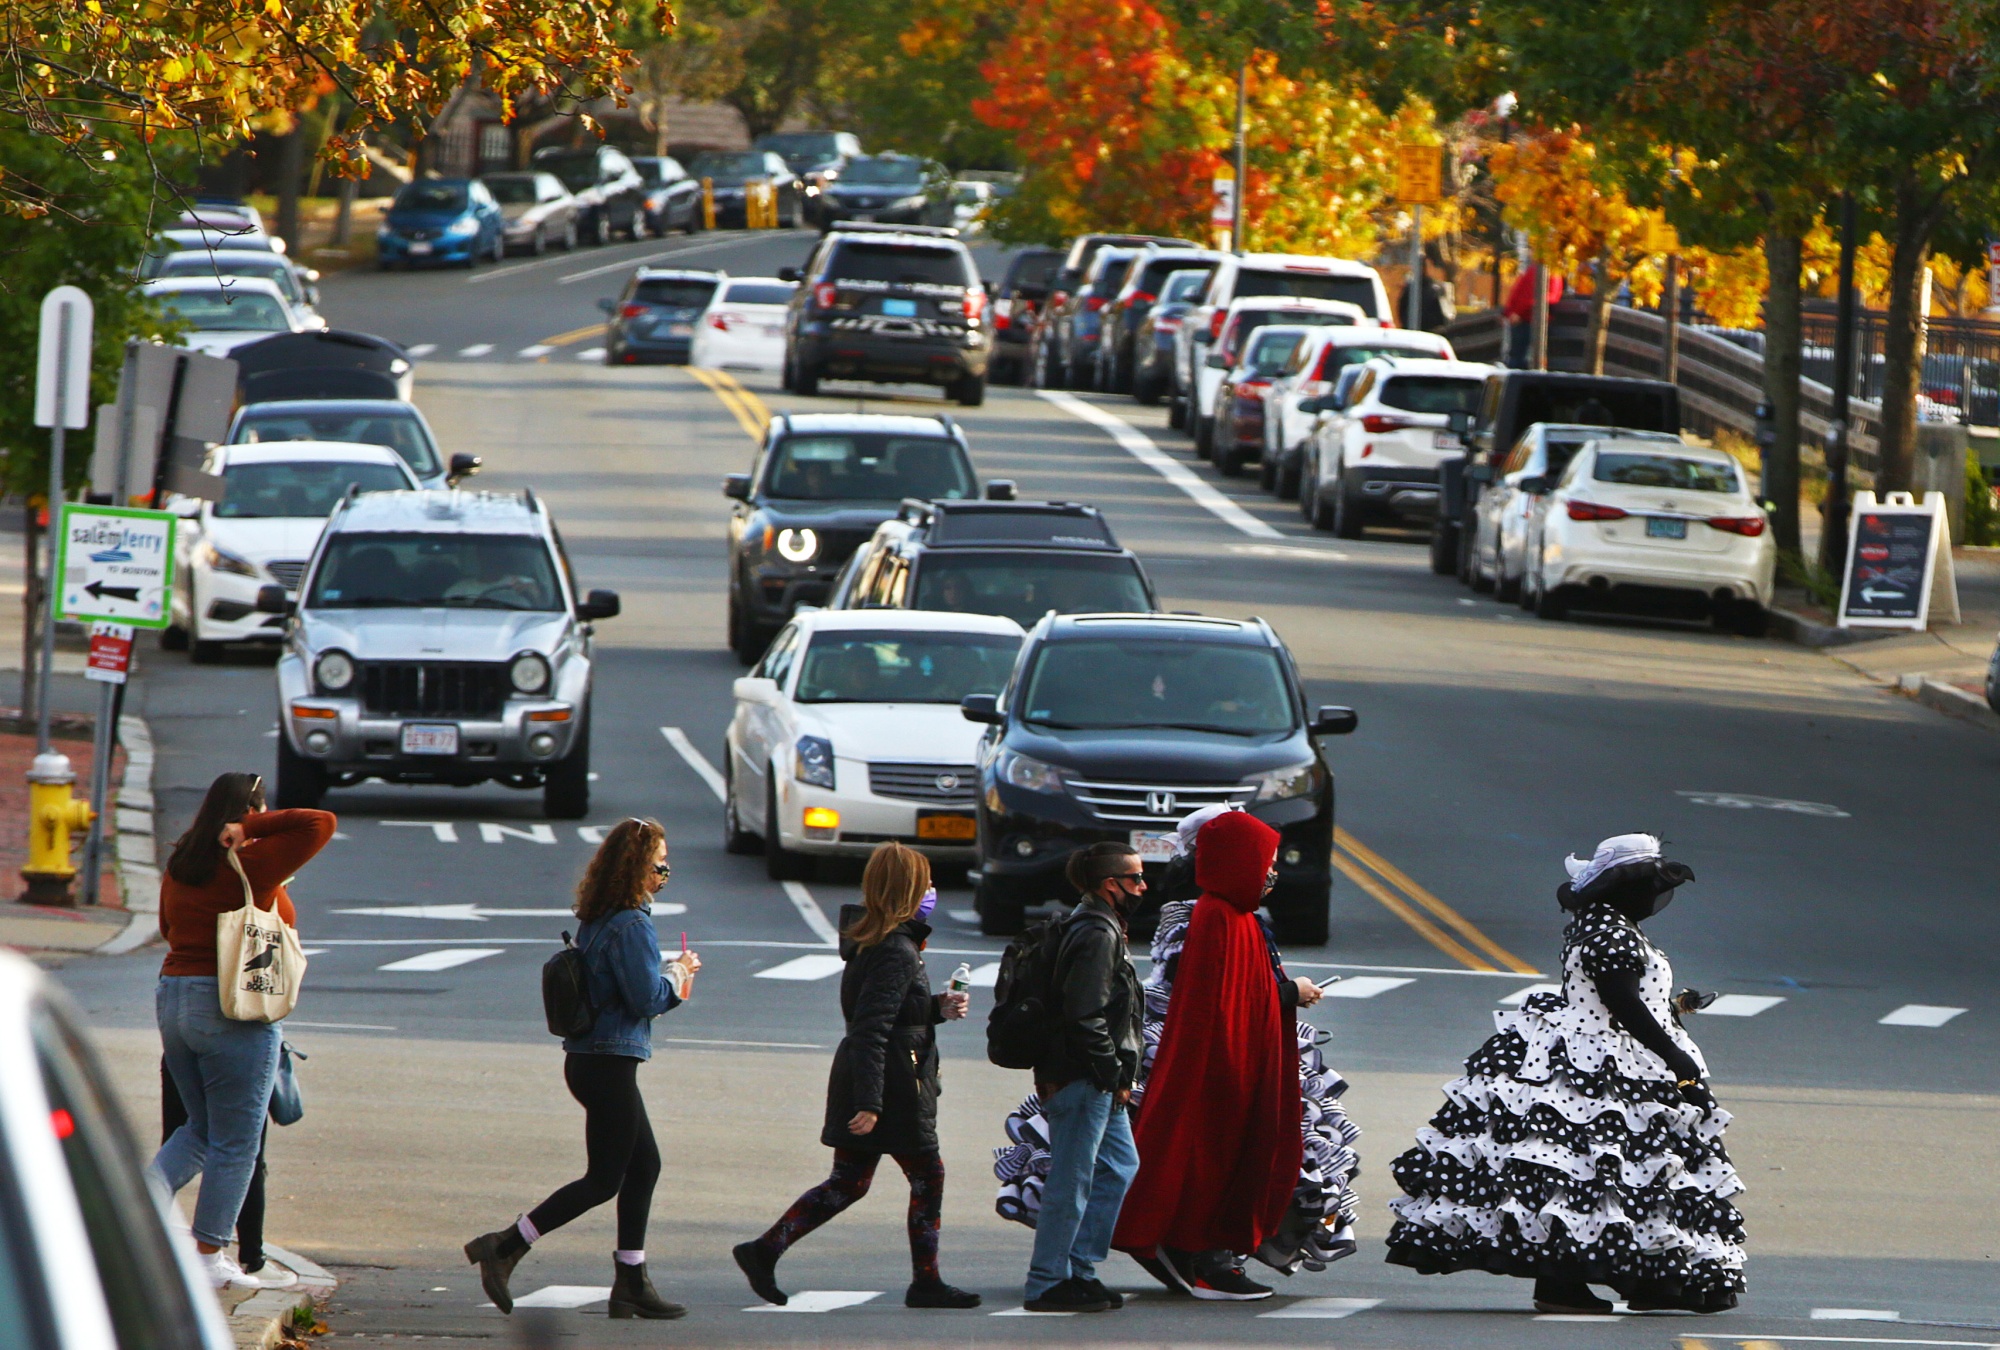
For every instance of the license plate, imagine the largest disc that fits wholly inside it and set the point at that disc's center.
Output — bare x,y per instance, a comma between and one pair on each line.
1659,527
420,246
680,330
430,738
902,309
864,217
953,826
1155,848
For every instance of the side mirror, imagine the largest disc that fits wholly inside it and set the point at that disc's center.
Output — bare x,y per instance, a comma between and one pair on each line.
1334,721
1000,490
1202,336
992,289
463,466
1459,423
607,305
981,708
1535,487
273,600
599,605
1480,472
736,486
754,689
788,274
1217,361
312,296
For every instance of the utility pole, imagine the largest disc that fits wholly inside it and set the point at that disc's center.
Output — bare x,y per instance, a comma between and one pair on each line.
1833,511
1539,334
1242,180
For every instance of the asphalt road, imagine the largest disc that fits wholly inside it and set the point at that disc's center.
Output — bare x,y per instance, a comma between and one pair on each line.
1491,744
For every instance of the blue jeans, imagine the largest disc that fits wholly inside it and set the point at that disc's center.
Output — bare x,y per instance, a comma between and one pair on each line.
1091,1165
223,1070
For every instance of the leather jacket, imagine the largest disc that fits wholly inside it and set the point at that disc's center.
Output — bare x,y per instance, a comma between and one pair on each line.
1100,1032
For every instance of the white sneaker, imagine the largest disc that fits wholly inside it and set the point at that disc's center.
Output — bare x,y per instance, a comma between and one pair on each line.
224,1273
271,1275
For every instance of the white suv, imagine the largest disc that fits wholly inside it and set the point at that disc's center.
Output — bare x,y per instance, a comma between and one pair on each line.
1233,327
1380,455
1298,396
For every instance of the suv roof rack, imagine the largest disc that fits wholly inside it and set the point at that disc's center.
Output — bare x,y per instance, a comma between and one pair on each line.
876,227
965,531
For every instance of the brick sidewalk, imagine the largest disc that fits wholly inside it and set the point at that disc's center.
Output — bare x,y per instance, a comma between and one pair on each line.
40,929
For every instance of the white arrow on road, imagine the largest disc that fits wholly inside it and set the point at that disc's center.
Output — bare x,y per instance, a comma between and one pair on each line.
480,913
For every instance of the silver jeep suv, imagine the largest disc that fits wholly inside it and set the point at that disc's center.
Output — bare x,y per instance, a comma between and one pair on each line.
438,638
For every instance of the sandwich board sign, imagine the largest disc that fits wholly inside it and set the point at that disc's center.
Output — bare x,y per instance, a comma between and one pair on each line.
114,565
1898,563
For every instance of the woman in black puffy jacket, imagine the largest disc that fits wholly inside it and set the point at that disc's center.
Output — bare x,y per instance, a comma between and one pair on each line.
881,1096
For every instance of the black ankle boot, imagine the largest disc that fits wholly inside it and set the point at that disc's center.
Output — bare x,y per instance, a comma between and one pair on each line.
938,1294
1567,1294
633,1295
496,1254
760,1270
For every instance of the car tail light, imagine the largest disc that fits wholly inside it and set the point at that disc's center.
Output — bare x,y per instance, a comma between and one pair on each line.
1367,449
825,294
1253,382
1592,511
631,311
1382,422
722,319
1215,322
1001,320
1140,298
975,305
1170,323
1747,526
1093,303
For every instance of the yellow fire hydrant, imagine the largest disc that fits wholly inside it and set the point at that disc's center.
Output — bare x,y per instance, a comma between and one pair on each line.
54,815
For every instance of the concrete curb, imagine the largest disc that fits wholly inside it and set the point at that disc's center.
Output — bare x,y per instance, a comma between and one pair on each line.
133,846
1797,628
259,1322
1949,699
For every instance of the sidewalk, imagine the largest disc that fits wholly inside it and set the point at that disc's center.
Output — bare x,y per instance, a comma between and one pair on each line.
47,934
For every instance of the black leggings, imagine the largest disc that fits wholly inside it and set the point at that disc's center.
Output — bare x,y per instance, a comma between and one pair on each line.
852,1172
623,1160
249,1219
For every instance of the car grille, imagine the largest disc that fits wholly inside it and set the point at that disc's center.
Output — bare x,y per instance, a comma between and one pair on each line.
1157,805
949,784
433,688
287,573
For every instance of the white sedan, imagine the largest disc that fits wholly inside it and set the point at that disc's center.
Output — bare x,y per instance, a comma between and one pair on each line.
848,734
261,533
743,327
224,313
1667,527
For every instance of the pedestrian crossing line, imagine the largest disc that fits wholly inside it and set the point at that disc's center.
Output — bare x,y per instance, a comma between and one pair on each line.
476,350
1438,909
311,951
697,761
1520,996
422,349
1919,1015
1856,1315
591,354
562,1296
1741,1005
819,1301
1023,1312
817,966
1367,986
446,959
986,976
1324,1307
809,910
534,352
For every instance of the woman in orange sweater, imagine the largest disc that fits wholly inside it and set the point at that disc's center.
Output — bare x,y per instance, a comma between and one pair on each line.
222,1068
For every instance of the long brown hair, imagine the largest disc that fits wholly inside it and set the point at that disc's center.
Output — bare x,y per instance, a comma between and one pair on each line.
616,877
892,885
198,853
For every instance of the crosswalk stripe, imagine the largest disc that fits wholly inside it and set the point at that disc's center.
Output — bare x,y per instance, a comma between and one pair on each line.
562,1296
443,959
819,1301
1366,986
1023,1312
815,967
1920,1015
476,349
1520,996
1856,1315
537,350
422,349
696,760
591,354
1324,1307
1742,1005
986,976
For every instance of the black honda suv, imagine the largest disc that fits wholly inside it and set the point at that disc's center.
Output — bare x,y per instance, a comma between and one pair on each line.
1115,726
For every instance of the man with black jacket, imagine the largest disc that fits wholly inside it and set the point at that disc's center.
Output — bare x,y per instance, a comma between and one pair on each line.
1084,1079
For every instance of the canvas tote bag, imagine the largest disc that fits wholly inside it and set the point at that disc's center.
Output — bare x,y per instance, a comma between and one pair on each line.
258,961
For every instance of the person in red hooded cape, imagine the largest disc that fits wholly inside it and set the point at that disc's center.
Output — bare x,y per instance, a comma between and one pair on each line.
1218,1136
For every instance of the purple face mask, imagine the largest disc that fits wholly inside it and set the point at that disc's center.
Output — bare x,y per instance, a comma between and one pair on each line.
927,904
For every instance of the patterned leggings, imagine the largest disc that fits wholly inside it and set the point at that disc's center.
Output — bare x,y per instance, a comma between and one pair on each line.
852,1173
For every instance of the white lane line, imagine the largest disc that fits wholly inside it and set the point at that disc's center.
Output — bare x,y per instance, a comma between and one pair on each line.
818,1301
1578,1317
1779,1339
1139,445
986,976
1325,1307
627,263
472,913
1741,1005
312,951
1920,1015
815,967
499,272
1366,986
1856,1315
422,349
1520,996
754,1045
535,352
809,910
476,349
1023,1312
697,761
964,915
446,959
492,833
336,1026
562,1296
591,354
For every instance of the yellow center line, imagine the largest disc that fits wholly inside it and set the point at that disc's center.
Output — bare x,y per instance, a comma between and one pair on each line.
1450,917
1397,906
744,406
574,335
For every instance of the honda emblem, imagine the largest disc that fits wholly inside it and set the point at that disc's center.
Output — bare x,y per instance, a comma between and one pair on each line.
1160,803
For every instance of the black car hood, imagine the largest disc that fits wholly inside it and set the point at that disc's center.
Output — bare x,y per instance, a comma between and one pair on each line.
1155,755
863,516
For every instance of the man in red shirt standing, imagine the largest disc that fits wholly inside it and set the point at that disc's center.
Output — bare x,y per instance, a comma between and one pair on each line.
1519,311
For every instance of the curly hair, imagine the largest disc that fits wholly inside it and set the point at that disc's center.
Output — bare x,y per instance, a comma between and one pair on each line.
616,876
892,885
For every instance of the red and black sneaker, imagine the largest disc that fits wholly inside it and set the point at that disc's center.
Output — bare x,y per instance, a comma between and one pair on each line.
1215,1276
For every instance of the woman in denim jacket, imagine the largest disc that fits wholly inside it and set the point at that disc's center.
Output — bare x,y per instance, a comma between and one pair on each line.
628,989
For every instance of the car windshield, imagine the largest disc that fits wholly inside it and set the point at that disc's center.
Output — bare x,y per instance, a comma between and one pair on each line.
1598,405
759,293
801,144
1431,393
511,189
673,292
430,197
860,467
1250,320
1183,287
747,165
1160,271
903,172
1664,471
430,571
576,172
1338,358
218,311
1138,684
298,487
1270,352
855,667
899,264
1033,272
1024,586
269,268
657,172
394,430
1308,286
1111,278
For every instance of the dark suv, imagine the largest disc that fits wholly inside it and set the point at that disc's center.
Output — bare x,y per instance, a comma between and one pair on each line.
1126,312
890,189
889,305
1075,327
610,194
1115,726
1018,560
1082,250
820,485
673,198
1015,304
653,320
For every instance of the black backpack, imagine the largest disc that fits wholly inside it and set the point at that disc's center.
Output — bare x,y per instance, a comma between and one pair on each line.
1026,1003
566,992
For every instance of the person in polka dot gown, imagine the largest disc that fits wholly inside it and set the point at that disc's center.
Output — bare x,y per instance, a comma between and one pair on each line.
1582,1145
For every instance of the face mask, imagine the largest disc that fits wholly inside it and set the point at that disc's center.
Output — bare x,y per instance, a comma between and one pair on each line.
927,904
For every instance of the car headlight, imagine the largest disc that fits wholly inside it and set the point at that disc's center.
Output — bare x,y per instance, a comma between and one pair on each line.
812,761
529,673
334,671
1294,780
1024,771
798,545
222,560
462,226
916,200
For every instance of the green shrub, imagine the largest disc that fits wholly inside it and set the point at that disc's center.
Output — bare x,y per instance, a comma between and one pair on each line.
1982,512
1797,570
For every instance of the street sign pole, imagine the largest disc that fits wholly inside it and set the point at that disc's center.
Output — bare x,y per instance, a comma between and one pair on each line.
112,700
64,320
1415,289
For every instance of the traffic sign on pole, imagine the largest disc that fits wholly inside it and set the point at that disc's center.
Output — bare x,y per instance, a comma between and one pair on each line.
62,370
114,565
1419,174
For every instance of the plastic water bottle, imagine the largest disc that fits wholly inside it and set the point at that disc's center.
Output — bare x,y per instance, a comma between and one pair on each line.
961,979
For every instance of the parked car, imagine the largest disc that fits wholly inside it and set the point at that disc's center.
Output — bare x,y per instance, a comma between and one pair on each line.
180,239
95,1257
610,194
1663,528
729,174
329,363
299,285
743,327
672,198
443,221
389,423
1073,330
1993,678
1015,559
275,502
1379,458
969,199
1145,279
888,190
1153,342
1302,392
1240,411
536,210
1520,484
1016,303
654,317
818,158
1233,326
500,691
848,733
1201,712
891,304
820,484
224,213
1076,261
222,315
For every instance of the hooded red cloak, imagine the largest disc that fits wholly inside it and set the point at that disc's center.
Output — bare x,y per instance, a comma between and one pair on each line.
1218,1137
